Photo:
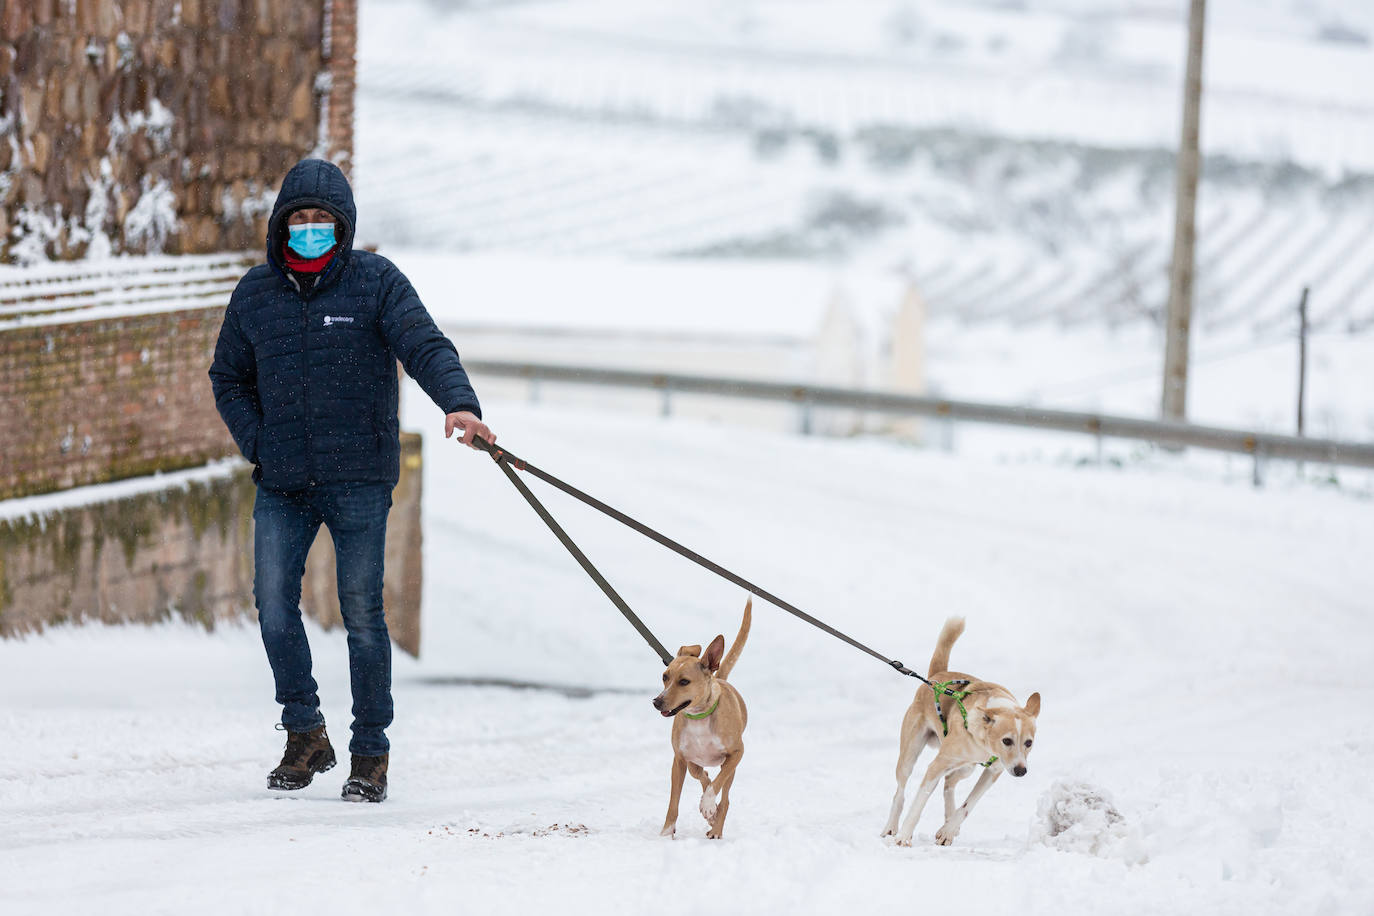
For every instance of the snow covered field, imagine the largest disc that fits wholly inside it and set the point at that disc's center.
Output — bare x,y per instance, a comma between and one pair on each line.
1203,651
1011,160
1015,158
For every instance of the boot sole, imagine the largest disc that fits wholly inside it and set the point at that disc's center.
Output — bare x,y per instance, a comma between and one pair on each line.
362,792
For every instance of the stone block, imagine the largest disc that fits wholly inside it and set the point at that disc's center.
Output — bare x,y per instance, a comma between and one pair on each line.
303,102
71,100
40,144
220,102
90,99
52,99
15,20
136,17
31,100
30,50
88,144
108,17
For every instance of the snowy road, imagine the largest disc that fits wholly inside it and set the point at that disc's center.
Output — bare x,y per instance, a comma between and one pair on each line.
1203,651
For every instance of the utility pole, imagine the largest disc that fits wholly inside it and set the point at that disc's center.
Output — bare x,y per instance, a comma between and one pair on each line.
1178,320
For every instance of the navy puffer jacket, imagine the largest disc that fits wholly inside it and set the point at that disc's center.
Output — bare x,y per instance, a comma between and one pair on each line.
307,383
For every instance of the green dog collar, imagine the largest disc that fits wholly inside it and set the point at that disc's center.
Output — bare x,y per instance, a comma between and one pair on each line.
704,714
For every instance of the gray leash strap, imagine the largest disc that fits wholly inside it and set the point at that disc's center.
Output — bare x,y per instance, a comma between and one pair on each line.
509,463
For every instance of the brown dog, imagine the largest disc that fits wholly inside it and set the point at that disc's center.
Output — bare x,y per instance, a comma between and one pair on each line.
708,724
991,731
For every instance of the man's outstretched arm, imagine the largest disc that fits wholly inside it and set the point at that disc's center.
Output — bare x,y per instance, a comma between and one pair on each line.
430,358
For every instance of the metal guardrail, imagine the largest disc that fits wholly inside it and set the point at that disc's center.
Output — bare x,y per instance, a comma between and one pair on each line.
1259,445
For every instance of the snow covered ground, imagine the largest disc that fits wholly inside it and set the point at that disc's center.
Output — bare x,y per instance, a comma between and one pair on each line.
1203,651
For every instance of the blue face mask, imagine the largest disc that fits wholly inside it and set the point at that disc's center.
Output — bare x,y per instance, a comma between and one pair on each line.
310,240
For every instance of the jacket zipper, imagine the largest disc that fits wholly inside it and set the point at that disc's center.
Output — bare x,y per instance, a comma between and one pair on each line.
305,390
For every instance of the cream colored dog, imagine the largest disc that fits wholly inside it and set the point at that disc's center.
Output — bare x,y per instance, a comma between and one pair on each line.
708,724
992,731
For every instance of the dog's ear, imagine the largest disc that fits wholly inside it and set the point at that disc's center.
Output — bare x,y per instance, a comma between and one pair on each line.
714,653
1032,706
693,651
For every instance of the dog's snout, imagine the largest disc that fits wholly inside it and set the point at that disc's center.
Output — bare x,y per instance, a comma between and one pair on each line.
1018,771
658,702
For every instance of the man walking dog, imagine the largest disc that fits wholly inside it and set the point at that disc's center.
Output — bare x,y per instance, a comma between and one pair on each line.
304,376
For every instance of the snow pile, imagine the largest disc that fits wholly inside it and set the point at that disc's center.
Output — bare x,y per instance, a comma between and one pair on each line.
1080,817
153,218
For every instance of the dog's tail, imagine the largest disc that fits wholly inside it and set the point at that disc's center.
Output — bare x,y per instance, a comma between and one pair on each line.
952,630
733,655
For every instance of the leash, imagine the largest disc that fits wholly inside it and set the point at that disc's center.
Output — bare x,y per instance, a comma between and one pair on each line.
509,463
504,461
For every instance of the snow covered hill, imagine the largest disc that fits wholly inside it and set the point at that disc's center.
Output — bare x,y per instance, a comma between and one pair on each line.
1203,651
1013,158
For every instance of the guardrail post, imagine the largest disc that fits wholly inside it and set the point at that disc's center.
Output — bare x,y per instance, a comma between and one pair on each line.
665,407
806,420
534,389
1258,477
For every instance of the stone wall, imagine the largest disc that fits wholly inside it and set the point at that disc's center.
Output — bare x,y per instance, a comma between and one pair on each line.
163,125
92,401
184,550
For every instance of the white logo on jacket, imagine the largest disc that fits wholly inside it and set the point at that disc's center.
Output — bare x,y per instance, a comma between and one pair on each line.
337,319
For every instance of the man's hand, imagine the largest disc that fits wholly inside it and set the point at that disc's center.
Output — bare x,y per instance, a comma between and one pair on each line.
467,421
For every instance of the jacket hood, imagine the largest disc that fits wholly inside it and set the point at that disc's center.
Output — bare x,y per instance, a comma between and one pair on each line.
312,183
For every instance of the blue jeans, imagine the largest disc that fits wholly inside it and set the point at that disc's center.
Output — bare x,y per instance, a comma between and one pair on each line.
285,524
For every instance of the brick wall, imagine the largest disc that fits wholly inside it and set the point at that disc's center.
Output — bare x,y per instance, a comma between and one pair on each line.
92,401
163,125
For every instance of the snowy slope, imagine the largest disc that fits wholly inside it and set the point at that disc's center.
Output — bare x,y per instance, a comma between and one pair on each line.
1013,158
1203,651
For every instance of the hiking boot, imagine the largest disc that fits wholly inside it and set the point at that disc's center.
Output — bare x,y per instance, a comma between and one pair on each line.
367,782
307,753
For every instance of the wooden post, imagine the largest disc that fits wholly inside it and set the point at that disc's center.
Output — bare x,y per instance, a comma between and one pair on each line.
1302,356
1178,320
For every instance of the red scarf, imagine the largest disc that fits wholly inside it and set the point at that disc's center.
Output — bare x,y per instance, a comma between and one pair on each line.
307,265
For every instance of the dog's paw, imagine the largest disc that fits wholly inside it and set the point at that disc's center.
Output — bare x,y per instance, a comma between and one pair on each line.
668,830
713,833
945,836
888,831
904,841
708,807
